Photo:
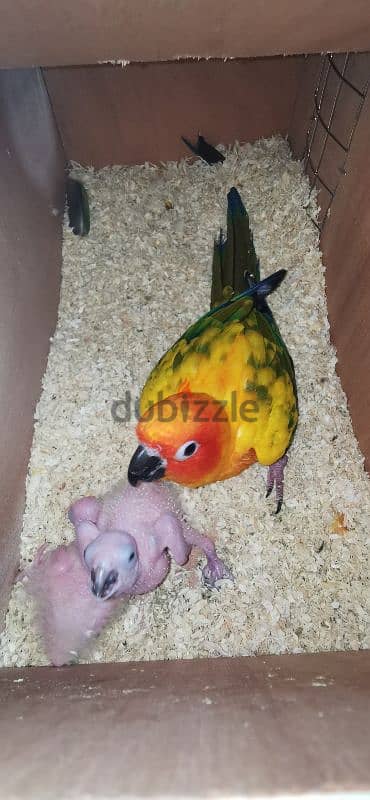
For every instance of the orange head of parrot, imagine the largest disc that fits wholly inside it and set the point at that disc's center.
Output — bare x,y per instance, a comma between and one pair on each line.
185,438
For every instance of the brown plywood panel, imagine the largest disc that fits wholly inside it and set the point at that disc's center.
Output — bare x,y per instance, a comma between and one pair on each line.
47,32
110,115
346,250
224,727
31,197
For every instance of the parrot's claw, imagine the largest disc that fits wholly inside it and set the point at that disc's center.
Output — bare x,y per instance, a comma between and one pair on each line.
214,571
278,507
275,477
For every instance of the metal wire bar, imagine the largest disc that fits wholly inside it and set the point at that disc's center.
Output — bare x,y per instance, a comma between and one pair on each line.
330,64
327,129
309,141
331,192
331,117
343,78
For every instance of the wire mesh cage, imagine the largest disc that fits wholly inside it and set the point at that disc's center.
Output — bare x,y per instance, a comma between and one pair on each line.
339,95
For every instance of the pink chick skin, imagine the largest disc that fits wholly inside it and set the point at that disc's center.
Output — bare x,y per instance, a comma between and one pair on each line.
67,613
122,547
151,517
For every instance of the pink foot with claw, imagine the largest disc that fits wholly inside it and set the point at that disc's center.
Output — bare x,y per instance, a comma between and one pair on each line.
214,571
275,477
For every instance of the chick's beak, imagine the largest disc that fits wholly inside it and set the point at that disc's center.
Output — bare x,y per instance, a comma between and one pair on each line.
103,583
145,465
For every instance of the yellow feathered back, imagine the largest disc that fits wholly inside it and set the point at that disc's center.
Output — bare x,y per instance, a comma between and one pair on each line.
236,355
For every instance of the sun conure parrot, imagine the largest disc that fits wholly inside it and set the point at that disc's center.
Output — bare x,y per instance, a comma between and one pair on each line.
224,395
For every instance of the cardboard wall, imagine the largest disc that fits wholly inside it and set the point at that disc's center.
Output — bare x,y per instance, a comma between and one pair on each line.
227,727
345,239
346,253
114,115
31,204
50,33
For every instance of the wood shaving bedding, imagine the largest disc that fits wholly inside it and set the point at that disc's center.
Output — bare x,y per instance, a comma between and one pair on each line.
128,291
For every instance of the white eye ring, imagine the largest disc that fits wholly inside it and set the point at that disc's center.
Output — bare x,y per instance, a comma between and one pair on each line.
187,450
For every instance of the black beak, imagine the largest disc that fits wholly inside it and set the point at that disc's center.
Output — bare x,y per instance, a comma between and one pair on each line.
102,583
145,467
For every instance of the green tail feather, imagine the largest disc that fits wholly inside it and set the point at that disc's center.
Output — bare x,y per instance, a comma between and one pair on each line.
235,264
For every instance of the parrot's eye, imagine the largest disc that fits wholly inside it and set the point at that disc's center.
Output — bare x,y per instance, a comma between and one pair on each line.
186,450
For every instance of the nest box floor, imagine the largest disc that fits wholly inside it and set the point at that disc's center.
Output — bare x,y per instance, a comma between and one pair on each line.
129,290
